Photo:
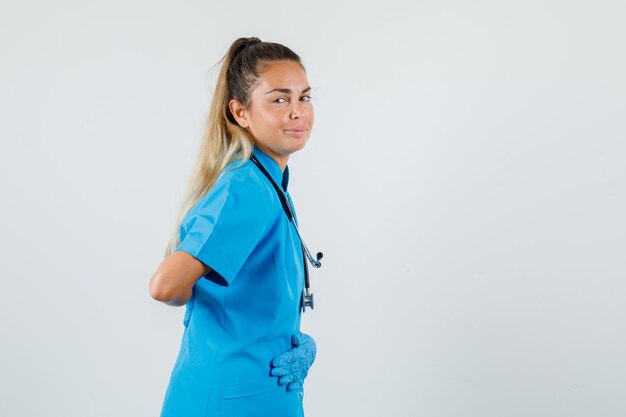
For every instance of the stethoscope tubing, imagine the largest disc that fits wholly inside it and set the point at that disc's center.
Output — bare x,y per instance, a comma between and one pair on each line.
290,215
288,210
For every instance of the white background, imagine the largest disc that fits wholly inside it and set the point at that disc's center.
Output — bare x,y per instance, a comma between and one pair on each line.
465,180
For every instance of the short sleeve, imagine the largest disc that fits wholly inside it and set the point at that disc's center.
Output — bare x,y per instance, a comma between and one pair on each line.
226,225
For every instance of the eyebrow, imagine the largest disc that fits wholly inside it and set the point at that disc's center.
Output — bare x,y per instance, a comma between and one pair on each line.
287,90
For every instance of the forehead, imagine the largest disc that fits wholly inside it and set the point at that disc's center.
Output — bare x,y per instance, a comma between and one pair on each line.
282,74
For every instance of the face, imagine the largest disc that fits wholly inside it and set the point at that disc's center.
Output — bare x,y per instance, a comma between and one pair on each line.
280,115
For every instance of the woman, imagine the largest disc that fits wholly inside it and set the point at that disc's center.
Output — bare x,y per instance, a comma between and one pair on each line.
236,262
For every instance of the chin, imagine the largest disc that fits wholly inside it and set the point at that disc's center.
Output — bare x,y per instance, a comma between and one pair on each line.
299,146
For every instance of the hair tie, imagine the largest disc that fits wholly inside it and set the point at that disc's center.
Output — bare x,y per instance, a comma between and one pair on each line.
249,43
244,45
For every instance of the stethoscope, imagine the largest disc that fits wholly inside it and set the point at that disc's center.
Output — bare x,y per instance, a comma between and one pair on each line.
307,297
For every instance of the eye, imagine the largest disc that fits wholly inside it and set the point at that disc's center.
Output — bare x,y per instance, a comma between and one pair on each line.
306,98
278,100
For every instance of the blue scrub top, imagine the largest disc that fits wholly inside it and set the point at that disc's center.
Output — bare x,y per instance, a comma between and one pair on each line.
243,314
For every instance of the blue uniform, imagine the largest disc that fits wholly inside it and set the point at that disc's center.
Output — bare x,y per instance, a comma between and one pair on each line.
243,315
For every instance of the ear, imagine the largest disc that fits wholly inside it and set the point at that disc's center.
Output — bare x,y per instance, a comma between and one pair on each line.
240,112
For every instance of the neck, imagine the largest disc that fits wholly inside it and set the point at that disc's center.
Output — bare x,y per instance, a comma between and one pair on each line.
281,160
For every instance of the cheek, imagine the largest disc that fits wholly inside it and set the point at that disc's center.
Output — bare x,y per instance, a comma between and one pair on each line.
260,122
271,119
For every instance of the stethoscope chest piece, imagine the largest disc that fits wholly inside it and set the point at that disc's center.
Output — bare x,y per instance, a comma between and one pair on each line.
307,300
307,297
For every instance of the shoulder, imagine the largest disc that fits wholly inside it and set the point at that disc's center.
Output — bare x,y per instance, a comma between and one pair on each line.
241,185
245,177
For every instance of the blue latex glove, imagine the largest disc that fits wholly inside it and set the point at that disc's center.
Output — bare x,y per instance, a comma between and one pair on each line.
292,366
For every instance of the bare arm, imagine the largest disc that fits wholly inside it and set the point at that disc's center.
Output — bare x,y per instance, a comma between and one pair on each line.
173,281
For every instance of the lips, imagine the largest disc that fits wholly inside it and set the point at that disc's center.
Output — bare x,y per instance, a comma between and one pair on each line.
297,132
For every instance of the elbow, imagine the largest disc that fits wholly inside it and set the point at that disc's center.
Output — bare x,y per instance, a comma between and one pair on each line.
159,290
162,289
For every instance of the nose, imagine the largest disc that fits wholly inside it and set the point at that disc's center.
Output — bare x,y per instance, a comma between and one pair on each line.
296,110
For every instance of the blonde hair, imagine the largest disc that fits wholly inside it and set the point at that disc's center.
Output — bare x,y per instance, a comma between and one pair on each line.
223,140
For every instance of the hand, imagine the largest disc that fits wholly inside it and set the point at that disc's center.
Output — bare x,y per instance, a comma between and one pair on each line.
292,366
